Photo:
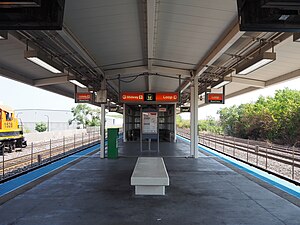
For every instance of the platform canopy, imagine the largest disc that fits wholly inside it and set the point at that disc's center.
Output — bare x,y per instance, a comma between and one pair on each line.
148,46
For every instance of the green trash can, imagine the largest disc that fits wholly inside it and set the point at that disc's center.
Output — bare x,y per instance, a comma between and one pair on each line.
112,143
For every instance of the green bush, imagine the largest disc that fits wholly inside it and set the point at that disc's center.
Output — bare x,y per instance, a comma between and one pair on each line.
40,127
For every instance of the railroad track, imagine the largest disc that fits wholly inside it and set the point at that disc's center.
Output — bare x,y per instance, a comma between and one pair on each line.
45,152
276,159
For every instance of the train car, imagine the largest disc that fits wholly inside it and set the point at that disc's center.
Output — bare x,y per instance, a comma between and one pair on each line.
11,131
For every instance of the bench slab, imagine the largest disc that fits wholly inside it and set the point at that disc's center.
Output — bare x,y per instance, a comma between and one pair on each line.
150,176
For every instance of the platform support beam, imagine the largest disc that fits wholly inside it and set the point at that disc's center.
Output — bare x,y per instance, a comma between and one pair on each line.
175,125
194,118
102,150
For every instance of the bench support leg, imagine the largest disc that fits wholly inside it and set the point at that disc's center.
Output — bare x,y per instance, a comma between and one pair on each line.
149,190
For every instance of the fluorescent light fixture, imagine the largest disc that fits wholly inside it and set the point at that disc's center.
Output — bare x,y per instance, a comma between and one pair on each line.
296,37
42,60
20,4
3,35
284,17
255,63
226,81
77,83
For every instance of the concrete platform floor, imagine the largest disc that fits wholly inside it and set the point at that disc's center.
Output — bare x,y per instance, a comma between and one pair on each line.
201,191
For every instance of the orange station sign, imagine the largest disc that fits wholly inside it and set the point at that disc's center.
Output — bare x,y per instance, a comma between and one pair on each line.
83,97
132,97
149,97
215,98
167,97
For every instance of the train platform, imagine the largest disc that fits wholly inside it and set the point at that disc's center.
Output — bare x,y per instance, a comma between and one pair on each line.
206,190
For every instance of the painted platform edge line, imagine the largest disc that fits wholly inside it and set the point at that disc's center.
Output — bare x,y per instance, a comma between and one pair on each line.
29,177
268,178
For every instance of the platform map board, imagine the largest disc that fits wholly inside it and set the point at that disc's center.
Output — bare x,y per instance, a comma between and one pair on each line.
149,120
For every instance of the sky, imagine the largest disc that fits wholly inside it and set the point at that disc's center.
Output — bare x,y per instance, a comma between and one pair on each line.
21,96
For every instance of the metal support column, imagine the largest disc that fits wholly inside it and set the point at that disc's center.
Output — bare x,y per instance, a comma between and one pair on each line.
194,118
102,149
192,121
175,125
124,122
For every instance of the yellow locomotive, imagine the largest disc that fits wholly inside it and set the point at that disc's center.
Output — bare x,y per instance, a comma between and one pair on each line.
11,132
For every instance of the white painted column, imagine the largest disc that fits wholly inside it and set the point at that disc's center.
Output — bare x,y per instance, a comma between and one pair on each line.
102,149
192,121
175,125
124,122
196,117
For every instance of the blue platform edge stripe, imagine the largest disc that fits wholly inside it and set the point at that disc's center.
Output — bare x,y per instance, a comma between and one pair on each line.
277,182
22,180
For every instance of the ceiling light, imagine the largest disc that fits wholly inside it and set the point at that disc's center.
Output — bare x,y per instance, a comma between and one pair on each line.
255,63
296,37
3,35
19,4
225,81
77,83
42,60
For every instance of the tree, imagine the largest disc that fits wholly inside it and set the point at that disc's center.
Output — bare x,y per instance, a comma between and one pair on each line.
85,115
269,118
40,127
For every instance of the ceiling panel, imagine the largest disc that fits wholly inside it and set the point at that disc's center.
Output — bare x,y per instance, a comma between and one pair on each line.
109,30
187,30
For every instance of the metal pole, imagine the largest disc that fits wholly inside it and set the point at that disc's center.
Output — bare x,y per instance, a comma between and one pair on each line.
3,164
89,138
81,139
234,146
31,160
266,157
215,141
64,145
293,164
248,150
257,155
74,141
102,148
50,150
223,142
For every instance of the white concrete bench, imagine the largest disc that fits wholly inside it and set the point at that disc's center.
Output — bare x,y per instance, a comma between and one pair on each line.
150,176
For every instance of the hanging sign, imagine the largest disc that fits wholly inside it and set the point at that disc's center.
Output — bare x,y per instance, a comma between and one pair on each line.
216,98
167,97
84,97
132,97
113,109
149,97
162,109
185,109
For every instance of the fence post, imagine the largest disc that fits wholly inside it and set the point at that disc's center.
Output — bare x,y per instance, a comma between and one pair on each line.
3,163
89,138
31,160
81,139
266,157
215,141
223,142
234,146
256,151
293,164
248,150
50,150
64,147
74,140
